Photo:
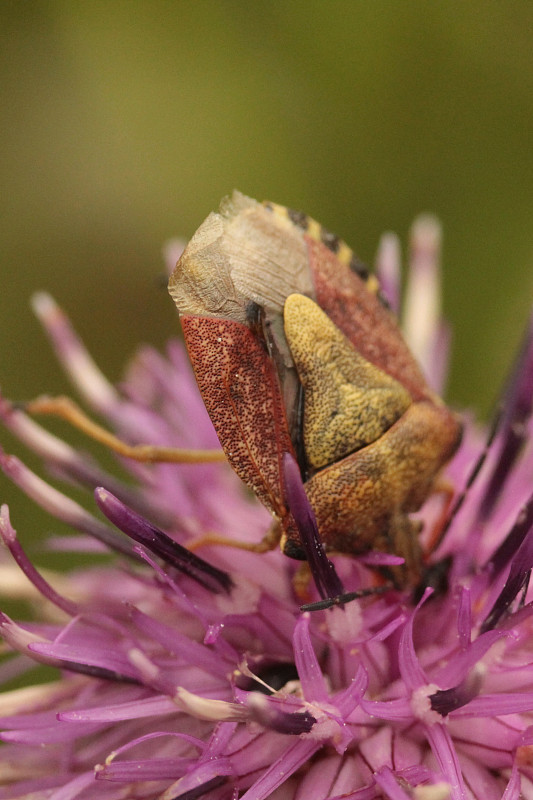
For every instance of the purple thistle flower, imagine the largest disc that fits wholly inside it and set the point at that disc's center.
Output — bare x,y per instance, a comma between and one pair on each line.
195,674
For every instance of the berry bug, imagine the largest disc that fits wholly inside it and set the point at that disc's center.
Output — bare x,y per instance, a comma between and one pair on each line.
295,351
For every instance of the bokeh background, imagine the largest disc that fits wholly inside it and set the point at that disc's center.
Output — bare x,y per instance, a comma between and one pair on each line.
123,123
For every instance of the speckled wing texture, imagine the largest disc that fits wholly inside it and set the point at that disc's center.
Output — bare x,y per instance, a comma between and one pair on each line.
241,393
240,256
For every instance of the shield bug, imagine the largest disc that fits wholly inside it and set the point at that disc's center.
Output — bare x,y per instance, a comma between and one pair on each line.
295,351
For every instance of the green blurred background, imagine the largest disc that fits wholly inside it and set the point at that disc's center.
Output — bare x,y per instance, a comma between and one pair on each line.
123,123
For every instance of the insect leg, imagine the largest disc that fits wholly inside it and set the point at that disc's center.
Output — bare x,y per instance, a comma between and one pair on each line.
67,409
269,541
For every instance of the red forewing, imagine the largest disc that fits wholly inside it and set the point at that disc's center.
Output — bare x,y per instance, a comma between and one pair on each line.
241,392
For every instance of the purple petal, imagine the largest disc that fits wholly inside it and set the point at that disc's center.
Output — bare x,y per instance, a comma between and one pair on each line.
325,577
73,355
311,677
59,505
159,543
111,665
37,786
444,751
75,787
457,668
9,536
153,706
493,705
388,267
389,709
151,769
517,405
519,572
464,617
292,759
512,790
421,314
386,780
411,671
188,652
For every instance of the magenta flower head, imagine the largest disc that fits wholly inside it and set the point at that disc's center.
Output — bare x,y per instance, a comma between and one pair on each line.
188,669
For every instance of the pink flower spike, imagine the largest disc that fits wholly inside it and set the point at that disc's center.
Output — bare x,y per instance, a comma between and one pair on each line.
59,505
386,781
292,759
77,362
142,531
512,790
421,314
189,669
9,536
326,579
412,674
444,752
172,250
388,269
313,685
60,458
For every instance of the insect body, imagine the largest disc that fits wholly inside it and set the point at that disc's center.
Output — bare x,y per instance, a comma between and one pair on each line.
295,351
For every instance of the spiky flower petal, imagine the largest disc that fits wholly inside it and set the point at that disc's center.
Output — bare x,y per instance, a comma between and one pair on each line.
187,674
